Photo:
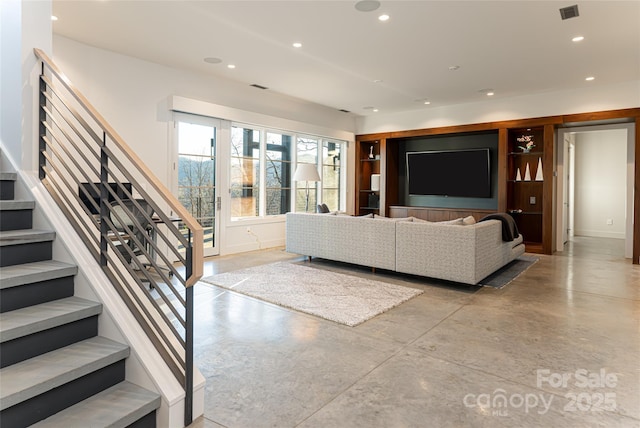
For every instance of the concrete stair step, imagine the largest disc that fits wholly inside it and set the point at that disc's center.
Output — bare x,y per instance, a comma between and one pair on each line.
25,236
17,205
8,176
120,405
34,319
41,374
29,273
25,246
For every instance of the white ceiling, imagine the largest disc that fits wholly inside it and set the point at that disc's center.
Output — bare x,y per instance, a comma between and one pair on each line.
350,60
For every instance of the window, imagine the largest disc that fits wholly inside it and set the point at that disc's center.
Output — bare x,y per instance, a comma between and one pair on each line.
278,173
307,152
245,172
262,166
332,177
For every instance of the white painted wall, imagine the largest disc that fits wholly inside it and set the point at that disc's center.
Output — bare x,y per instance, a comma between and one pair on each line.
24,25
600,183
136,97
588,99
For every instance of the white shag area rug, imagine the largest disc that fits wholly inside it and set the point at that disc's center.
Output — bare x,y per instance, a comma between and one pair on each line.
345,299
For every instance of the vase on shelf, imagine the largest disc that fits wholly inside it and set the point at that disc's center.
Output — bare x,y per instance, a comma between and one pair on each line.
527,173
518,176
371,156
539,175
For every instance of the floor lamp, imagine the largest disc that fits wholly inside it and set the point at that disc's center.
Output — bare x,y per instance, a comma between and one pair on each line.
306,172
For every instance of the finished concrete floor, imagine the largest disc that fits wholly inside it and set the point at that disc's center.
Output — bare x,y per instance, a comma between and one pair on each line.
558,347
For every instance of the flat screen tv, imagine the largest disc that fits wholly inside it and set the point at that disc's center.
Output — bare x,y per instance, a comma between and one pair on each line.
460,173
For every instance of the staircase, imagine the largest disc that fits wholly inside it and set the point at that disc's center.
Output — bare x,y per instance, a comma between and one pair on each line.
54,368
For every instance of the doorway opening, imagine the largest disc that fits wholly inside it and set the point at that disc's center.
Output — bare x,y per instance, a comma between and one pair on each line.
595,166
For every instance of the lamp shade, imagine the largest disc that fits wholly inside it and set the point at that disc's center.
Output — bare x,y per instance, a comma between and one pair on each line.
306,172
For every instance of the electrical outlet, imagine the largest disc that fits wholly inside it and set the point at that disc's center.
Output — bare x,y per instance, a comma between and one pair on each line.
532,200
248,229
609,221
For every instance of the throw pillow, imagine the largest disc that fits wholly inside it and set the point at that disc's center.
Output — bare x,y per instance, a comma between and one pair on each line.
367,216
469,220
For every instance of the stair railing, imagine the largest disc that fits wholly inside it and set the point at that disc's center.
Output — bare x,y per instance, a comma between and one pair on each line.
152,256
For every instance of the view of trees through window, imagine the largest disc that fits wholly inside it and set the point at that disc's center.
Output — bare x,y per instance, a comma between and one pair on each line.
249,170
196,174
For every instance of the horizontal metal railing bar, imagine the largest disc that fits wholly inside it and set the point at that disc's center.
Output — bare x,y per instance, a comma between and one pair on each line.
86,227
79,223
173,203
148,316
64,148
74,113
140,245
152,224
96,138
176,365
52,163
165,218
69,187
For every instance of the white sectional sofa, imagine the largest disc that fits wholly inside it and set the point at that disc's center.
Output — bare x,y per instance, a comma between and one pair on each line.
461,253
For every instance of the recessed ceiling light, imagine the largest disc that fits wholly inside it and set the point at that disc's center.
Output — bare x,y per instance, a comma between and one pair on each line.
383,18
487,91
590,78
54,18
212,60
367,5
375,110
577,39
454,67
297,45
427,102
231,66
490,94
377,81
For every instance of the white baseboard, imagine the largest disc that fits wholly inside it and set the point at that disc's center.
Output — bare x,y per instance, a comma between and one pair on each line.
599,234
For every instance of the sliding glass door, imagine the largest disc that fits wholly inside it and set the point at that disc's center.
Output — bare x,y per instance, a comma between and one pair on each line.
196,174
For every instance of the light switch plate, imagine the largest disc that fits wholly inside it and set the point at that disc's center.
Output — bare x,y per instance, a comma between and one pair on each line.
532,200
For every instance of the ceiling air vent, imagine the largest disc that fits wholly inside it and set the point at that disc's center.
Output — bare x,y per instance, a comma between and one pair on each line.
344,111
255,85
569,12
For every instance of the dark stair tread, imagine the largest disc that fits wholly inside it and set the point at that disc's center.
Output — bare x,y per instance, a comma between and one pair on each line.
30,378
8,176
25,236
16,205
120,405
29,273
32,319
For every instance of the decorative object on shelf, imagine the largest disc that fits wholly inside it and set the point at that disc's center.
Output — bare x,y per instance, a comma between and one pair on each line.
371,155
306,172
375,182
518,176
374,201
527,141
539,176
527,173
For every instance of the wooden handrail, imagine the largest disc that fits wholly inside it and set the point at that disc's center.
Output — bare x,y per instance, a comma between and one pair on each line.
195,227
